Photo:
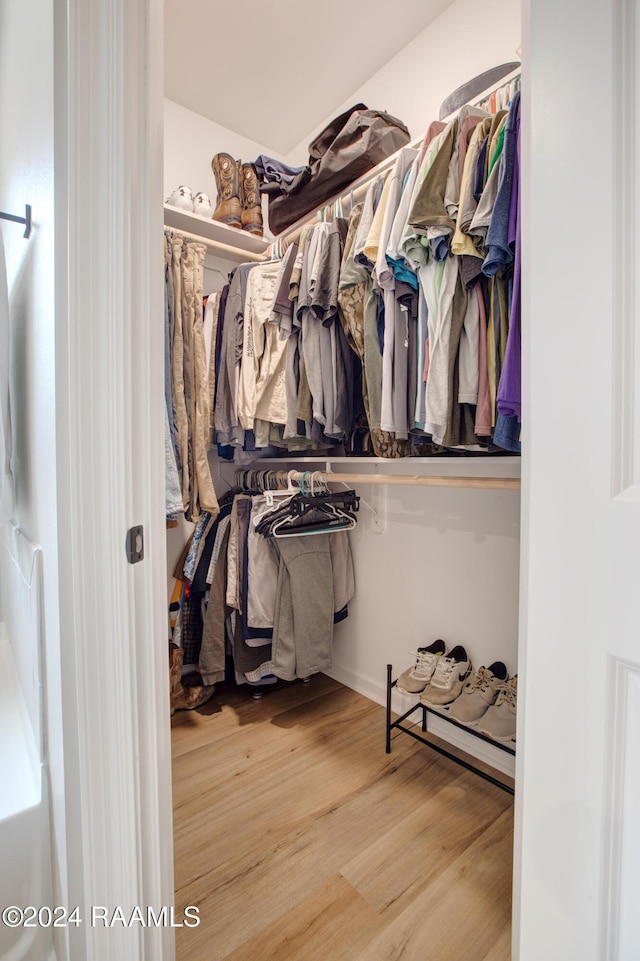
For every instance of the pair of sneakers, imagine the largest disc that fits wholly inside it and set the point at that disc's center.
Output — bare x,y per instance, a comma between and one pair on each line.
488,700
199,204
437,676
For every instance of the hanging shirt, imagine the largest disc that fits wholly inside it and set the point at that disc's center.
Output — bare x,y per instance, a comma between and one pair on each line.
262,368
499,249
462,243
372,243
394,371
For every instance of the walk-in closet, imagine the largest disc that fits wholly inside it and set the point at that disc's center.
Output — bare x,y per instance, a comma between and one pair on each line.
296,793
229,643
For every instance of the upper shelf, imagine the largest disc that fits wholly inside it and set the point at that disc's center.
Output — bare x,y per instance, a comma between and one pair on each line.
227,242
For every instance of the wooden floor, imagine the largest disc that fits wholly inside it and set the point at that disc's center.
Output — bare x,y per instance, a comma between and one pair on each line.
299,839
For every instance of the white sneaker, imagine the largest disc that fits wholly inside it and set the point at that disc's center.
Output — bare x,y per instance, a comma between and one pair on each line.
479,693
416,678
448,678
202,205
181,197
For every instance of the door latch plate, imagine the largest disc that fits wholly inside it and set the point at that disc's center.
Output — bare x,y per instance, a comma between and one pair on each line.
135,544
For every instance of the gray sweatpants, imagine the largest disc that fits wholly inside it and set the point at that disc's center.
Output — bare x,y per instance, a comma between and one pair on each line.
303,623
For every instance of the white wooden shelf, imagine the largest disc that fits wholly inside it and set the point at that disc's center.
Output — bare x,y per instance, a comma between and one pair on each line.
228,242
440,465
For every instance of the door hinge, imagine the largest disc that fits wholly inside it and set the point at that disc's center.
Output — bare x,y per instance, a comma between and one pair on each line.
135,544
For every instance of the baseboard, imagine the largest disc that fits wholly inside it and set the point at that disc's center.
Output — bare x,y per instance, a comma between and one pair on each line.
376,690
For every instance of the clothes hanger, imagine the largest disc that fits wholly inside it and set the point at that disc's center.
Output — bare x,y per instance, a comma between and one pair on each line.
312,512
324,526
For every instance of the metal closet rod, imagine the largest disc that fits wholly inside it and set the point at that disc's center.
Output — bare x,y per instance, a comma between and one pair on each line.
415,480
26,220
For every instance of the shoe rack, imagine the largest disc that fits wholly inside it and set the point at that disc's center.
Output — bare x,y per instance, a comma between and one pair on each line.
442,713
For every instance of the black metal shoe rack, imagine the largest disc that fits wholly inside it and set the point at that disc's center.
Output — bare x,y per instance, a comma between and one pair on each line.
426,710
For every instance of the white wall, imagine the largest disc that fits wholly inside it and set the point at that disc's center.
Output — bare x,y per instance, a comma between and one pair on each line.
26,176
466,39
446,566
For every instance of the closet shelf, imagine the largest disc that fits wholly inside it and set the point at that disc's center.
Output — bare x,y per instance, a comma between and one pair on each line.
443,714
230,243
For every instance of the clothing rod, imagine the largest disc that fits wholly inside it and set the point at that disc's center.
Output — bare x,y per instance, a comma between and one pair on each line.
416,480
219,246
359,187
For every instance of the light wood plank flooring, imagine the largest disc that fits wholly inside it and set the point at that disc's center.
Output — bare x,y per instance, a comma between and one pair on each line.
299,839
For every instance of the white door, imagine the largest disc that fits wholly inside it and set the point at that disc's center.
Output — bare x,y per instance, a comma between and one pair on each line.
109,404
578,825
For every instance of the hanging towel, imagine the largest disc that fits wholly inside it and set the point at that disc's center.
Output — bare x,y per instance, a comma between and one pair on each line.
6,479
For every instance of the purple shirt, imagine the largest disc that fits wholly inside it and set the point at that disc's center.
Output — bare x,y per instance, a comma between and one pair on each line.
510,386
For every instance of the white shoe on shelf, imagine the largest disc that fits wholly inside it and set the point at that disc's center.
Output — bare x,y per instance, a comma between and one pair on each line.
181,197
202,205
448,679
415,679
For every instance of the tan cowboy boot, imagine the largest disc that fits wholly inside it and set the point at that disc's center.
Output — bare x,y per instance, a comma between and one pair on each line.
229,205
184,698
251,205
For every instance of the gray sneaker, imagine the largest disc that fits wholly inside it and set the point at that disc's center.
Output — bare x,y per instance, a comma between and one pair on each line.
416,678
479,693
499,722
448,678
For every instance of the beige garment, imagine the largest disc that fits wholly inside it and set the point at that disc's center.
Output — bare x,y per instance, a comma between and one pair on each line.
373,239
468,202
177,367
344,583
204,495
462,242
496,122
304,403
263,353
189,282
296,273
468,363
271,395
366,217
233,586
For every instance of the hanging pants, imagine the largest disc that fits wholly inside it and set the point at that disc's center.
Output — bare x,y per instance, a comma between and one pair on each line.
303,623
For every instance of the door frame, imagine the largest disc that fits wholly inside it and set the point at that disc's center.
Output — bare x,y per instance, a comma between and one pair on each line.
108,99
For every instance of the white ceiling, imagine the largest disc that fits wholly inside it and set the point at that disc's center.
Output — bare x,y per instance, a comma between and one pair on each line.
274,71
